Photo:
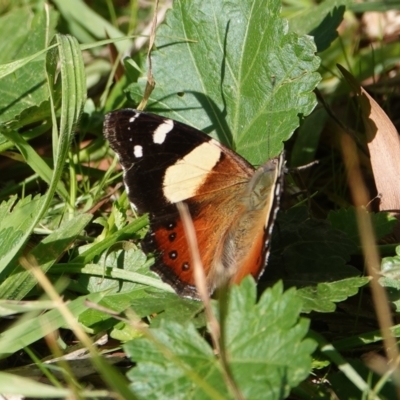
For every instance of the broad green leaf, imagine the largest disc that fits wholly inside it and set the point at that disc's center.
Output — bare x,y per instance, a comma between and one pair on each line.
233,70
171,307
131,260
20,282
179,364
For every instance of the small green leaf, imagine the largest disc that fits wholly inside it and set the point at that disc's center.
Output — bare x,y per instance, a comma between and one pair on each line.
390,270
323,296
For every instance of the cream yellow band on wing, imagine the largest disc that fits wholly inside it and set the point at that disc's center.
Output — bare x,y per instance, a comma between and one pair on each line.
182,180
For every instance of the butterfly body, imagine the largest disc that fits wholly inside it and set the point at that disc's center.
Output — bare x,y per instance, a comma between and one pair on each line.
232,205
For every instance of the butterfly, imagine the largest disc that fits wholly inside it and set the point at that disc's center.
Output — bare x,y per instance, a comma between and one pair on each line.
232,205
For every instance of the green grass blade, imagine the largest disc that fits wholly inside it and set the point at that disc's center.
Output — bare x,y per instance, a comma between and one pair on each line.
32,329
14,384
68,56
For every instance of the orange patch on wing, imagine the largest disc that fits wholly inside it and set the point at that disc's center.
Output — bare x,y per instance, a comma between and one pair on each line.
254,261
175,264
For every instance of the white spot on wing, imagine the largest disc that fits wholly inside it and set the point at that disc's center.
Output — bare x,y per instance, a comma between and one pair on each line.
162,130
183,179
126,186
138,151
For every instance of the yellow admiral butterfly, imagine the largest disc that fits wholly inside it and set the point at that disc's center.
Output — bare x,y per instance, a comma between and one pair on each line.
233,206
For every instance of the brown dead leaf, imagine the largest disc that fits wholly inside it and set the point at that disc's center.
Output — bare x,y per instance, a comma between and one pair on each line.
383,144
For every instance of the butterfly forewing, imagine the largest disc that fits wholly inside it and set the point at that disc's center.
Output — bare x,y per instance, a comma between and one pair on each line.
164,162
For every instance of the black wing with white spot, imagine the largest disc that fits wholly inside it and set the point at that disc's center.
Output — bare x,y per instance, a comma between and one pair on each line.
147,145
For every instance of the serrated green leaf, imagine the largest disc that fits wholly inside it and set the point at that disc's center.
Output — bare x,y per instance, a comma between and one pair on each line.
127,280
323,296
233,70
262,339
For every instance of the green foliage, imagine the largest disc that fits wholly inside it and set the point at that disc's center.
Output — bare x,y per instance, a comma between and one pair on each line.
24,94
314,258
346,221
20,282
250,86
175,360
320,21
244,72
34,328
